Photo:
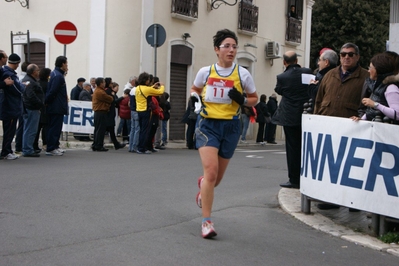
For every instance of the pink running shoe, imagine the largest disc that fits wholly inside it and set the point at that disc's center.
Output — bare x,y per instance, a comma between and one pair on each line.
200,180
207,230
198,199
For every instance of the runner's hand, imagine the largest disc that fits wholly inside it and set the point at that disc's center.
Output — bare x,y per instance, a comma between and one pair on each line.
236,96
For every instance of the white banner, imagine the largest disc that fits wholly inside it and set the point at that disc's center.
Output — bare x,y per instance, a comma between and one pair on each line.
352,164
80,118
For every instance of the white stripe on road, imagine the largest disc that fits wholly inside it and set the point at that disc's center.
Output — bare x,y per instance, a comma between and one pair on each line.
256,151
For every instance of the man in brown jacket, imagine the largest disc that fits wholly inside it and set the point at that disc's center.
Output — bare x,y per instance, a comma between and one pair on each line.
100,103
340,91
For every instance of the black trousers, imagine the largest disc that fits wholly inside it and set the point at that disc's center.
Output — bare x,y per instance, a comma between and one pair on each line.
154,122
261,131
43,129
111,130
270,134
293,138
100,125
9,128
144,121
19,134
54,131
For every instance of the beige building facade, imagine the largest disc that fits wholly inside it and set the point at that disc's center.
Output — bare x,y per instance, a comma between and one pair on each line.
111,39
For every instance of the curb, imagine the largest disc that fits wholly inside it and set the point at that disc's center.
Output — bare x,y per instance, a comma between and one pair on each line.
290,202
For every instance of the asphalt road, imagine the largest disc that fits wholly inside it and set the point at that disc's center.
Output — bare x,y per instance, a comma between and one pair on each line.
119,208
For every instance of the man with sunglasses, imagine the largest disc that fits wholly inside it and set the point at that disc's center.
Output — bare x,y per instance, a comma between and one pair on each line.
340,90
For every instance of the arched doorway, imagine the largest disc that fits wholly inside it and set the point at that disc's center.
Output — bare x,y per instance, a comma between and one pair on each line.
37,53
181,59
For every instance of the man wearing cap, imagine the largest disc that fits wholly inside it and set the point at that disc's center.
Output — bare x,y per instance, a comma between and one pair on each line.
289,113
57,106
12,106
75,92
5,82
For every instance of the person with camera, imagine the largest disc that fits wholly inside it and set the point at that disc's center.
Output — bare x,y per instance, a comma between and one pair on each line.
144,93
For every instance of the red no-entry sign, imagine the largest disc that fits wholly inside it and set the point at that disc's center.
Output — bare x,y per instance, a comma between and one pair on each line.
65,32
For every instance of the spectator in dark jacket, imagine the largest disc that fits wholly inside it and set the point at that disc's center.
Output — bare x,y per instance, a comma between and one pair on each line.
165,105
86,93
75,92
190,118
270,133
57,106
4,82
289,113
262,115
44,75
12,105
111,88
33,99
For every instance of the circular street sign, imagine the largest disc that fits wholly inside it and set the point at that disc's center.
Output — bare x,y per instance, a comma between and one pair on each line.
65,32
160,35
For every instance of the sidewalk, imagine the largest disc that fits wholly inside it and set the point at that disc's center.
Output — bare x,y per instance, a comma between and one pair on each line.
351,226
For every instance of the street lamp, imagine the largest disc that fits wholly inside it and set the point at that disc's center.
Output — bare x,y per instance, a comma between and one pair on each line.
214,4
24,3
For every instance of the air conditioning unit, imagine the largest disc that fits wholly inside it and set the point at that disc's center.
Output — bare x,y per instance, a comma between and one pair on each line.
272,50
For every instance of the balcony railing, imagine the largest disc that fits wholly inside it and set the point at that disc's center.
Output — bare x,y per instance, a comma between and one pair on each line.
187,8
248,17
294,30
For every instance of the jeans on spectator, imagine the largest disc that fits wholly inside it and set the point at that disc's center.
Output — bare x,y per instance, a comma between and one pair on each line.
134,131
164,131
124,129
245,124
31,122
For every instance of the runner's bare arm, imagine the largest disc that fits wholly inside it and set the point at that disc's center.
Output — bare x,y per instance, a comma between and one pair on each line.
252,99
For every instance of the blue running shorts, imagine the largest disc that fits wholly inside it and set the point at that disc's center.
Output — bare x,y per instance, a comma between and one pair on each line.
221,134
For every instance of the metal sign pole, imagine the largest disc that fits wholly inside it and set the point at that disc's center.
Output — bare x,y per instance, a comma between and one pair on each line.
64,49
28,45
12,43
155,49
